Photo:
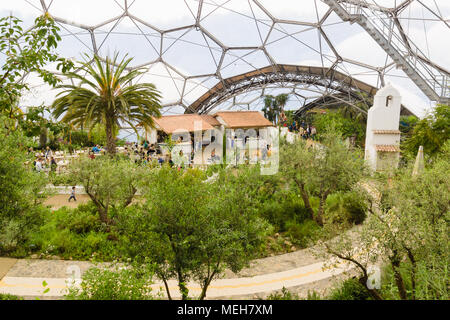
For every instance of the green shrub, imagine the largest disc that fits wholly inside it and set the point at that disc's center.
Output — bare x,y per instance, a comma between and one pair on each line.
285,294
130,283
285,207
313,295
350,289
20,209
303,233
80,220
73,233
356,206
6,296
63,179
346,208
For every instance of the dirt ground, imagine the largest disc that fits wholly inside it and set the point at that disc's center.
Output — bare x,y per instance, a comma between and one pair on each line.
60,200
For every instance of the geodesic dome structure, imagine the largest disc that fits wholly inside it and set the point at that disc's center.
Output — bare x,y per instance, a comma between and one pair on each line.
206,55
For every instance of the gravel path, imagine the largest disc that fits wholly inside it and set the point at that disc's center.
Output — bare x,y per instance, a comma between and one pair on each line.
60,200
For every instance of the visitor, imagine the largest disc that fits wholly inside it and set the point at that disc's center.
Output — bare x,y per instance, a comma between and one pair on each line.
136,156
269,151
313,133
96,149
72,195
214,158
160,160
301,131
264,152
151,150
48,153
145,144
39,165
91,155
53,165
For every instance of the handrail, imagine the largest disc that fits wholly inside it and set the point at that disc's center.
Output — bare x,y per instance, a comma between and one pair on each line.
432,76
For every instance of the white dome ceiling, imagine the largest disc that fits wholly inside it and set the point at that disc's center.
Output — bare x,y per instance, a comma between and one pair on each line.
188,46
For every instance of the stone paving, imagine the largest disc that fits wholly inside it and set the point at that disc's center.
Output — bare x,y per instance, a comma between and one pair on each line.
298,271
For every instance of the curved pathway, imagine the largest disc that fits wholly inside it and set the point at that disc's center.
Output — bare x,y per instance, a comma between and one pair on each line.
298,271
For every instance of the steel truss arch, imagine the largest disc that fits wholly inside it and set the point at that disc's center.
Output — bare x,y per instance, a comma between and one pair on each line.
328,79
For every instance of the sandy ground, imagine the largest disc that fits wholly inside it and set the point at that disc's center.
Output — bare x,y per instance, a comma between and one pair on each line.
60,200
5,265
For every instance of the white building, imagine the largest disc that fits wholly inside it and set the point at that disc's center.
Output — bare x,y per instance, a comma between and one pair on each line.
382,134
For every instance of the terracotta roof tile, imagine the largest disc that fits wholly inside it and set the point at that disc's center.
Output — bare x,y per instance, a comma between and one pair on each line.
169,124
387,131
243,119
387,148
210,119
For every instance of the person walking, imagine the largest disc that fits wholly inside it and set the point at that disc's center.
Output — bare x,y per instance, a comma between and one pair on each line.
72,195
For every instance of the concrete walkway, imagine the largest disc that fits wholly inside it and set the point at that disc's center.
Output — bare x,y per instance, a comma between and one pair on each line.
298,271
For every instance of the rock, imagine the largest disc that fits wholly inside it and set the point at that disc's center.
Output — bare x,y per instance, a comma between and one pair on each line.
287,243
276,235
55,258
34,256
293,248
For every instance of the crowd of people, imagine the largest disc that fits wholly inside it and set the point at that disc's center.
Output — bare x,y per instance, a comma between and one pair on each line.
43,161
146,153
305,130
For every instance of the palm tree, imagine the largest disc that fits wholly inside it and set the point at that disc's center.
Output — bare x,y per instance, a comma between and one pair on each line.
273,106
281,100
110,98
268,111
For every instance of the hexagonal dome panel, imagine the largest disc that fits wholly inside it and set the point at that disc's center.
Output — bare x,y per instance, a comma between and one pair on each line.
232,52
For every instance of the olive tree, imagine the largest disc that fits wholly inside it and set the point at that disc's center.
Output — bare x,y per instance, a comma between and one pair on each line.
109,183
321,169
407,232
20,189
193,228
27,51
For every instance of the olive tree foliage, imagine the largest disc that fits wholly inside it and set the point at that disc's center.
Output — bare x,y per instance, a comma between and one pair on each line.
193,228
430,132
407,232
109,182
27,51
19,191
116,282
321,169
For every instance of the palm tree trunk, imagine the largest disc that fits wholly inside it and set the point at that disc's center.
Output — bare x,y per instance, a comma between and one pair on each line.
110,139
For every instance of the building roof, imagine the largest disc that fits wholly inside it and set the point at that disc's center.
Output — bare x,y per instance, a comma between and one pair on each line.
387,131
387,148
243,119
169,124
210,119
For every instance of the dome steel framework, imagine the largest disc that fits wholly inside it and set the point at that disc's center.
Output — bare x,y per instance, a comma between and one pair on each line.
227,54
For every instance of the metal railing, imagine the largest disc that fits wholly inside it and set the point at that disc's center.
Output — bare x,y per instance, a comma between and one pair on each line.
433,82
